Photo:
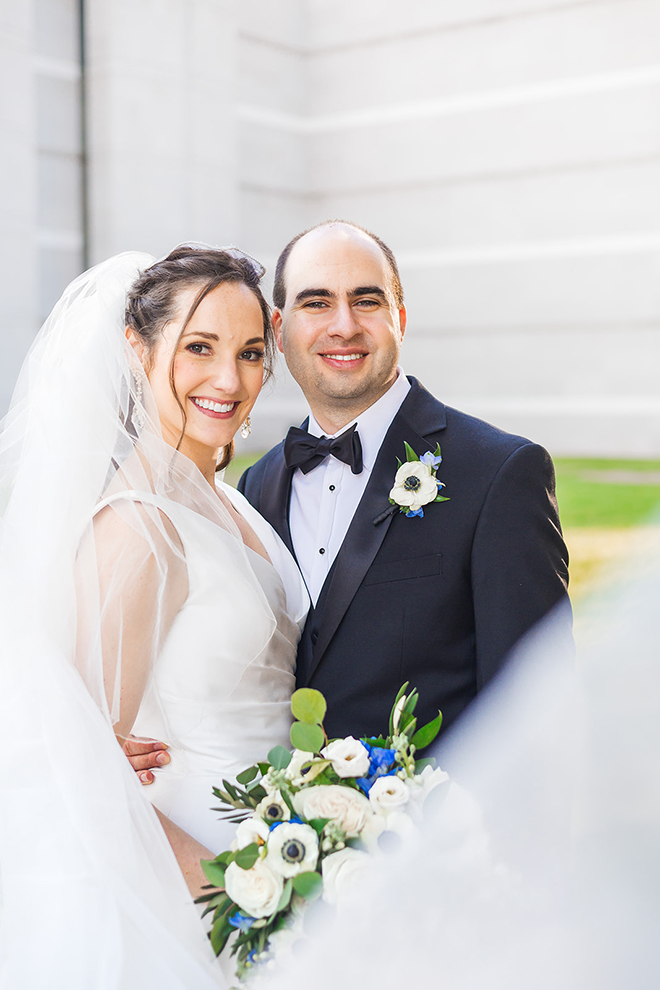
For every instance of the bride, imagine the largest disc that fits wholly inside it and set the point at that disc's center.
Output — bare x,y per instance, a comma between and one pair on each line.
137,595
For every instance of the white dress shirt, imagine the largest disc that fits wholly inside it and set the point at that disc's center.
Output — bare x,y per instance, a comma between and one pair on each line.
324,501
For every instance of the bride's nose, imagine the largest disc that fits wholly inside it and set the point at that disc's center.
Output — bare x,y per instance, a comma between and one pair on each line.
226,377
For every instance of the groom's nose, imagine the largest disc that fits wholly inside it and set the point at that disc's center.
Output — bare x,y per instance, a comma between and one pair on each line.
342,322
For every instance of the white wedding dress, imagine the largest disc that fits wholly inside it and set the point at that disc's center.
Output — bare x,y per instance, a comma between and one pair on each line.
217,695
95,508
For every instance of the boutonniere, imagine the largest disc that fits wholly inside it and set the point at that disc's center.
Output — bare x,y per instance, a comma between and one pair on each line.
415,483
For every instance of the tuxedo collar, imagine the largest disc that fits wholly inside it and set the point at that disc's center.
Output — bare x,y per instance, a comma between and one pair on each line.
420,416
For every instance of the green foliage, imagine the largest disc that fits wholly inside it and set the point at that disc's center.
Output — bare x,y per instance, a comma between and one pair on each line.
308,705
410,453
400,693
214,872
247,857
425,736
308,885
247,775
286,896
279,757
307,737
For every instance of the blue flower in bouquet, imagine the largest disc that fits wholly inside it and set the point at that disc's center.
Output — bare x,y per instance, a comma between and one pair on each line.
294,819
381,764
241,921
380,760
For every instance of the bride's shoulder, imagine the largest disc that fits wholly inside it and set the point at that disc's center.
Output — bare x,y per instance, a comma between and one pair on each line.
137,523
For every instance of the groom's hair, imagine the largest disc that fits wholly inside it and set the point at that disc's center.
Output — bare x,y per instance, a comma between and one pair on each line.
279,286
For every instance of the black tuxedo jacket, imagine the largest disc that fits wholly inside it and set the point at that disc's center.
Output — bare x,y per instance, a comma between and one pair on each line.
438,601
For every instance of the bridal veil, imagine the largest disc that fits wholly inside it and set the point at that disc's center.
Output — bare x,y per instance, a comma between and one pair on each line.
91,893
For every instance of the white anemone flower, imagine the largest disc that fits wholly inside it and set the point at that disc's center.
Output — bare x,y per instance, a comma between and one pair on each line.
292,848
273,807
414,485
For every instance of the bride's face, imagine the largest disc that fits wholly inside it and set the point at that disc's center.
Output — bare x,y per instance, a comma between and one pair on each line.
217,370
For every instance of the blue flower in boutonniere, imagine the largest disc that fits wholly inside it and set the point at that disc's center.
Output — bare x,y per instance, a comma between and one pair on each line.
415,483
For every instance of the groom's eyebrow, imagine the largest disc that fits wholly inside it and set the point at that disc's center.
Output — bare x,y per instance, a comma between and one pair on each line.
314,293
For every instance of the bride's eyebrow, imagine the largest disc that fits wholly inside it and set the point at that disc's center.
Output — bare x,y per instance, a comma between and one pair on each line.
200,333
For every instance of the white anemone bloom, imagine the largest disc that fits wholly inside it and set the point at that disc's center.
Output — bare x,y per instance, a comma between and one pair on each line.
414,485
292,848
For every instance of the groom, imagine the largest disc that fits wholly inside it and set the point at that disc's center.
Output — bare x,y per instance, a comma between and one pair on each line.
440,599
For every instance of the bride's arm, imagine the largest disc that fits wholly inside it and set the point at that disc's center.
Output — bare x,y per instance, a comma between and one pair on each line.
142,584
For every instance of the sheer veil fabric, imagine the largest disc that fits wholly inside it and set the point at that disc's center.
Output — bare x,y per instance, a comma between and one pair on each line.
543,869
91,893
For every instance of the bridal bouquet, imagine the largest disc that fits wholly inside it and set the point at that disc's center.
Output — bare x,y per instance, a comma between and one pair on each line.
309,821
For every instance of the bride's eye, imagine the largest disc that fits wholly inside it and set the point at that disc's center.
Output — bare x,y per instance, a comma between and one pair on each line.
252,355
198,348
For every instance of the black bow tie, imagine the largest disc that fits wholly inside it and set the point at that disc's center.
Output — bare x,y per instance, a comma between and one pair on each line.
303,450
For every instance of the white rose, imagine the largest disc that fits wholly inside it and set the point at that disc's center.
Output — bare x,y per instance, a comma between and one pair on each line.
249,831
421,785
349,808
374,827
388,794
343,872
414,485
349,757
256,891
273,806
292,848
298,761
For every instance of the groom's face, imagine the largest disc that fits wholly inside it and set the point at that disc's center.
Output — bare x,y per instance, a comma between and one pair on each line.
340,329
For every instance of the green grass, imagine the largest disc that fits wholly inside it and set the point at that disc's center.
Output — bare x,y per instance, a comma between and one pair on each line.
585,502
238,465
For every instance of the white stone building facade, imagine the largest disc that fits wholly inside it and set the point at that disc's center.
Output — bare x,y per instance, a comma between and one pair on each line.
507,150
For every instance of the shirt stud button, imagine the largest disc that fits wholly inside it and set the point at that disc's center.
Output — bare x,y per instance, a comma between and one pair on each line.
322,550
332,488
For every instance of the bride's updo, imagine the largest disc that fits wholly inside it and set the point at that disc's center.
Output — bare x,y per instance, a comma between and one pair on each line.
151,303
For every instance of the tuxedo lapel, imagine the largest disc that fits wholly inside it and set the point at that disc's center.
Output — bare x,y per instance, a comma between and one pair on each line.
275,498
372,519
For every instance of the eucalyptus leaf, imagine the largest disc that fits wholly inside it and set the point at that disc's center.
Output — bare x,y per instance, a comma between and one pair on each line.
247,775
214,872
279,758
308,885
307,737
425,736
308,705
318,824
247,857
286,896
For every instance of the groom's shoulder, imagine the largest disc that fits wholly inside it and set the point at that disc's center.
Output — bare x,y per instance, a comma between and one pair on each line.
482,444
255,475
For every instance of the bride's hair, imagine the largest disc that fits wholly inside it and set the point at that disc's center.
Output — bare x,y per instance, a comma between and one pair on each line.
151,302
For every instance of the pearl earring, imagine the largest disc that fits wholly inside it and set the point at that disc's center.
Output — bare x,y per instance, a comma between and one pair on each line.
246,429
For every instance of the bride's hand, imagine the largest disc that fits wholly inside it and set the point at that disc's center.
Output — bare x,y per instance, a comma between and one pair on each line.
145,755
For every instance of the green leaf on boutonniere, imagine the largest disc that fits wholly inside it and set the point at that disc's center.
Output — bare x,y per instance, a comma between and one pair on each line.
410,453
441,498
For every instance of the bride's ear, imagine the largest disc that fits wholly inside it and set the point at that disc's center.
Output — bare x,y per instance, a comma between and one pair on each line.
137,345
